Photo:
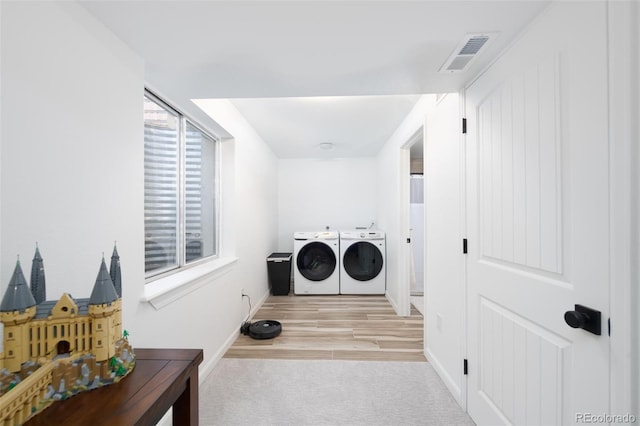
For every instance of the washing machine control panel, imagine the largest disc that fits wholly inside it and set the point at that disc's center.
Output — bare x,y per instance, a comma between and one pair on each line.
362,235
326,235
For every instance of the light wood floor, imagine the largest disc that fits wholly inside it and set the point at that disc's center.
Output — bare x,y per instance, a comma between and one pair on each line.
335,327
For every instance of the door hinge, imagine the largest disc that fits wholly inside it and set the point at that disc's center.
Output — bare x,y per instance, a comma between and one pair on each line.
609,326
464,126
465,367
464,246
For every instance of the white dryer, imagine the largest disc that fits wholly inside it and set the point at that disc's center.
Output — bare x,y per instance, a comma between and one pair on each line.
363,266
316,262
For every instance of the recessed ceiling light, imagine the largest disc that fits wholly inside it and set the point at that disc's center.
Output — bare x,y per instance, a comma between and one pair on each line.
326,146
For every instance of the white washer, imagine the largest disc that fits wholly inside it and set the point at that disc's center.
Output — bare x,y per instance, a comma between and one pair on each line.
362,259
316,257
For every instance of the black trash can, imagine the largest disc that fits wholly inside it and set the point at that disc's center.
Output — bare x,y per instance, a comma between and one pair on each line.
279,271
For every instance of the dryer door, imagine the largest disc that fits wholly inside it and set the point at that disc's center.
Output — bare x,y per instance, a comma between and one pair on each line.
362,261
316,261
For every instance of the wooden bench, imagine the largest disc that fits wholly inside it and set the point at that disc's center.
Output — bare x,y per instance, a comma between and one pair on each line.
161,379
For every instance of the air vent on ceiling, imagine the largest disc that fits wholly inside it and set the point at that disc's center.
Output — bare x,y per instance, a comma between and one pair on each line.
465,52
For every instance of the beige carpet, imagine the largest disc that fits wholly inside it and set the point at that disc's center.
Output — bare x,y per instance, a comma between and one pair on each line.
318,392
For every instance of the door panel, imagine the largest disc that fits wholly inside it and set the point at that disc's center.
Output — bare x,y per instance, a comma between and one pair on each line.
520,170
521,367
537,163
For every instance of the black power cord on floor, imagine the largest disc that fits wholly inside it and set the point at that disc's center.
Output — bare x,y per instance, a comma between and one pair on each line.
265,329
244,328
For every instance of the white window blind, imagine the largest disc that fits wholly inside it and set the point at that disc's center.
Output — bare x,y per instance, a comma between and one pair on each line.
180,189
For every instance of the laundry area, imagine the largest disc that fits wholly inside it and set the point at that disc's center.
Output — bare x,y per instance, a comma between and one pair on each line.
347,262
351,219
328,225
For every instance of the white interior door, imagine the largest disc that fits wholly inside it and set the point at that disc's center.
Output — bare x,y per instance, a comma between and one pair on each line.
538,217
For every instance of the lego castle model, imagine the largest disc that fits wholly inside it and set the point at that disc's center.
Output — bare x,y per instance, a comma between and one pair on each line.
55,349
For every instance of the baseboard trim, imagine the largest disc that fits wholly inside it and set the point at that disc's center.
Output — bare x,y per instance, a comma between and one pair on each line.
446,378
208,368
393,303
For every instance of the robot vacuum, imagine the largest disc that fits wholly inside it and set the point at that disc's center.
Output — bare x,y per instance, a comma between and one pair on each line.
265,329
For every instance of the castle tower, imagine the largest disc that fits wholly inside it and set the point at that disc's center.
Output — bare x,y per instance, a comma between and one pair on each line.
114,271
18,307
104,308
38,284
116,278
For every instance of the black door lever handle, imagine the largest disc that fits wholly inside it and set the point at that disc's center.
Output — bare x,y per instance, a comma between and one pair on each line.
585,318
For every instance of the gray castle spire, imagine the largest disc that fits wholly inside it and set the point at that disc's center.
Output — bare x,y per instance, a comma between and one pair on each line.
38,282
114,271
103,291
17,297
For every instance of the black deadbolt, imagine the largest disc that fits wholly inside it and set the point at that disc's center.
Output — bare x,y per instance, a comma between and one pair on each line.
585,318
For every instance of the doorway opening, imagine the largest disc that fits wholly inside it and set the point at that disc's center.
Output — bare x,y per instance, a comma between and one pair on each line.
416,220
63,348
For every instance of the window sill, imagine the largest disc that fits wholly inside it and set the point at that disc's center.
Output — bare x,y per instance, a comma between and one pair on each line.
162,292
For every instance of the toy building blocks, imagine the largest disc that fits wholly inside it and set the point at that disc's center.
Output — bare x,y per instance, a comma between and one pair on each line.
55,349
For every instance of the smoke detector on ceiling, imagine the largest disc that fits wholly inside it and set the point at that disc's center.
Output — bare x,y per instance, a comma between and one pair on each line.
466,51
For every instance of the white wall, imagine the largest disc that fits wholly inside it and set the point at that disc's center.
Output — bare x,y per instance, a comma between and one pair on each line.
71,107
444,261
389,201
315,193
635,191
71,178
254,196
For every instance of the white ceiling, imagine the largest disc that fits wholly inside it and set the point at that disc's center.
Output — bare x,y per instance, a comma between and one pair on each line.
304,48
354,125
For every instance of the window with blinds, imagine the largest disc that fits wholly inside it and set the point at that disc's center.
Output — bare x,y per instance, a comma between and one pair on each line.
180,189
